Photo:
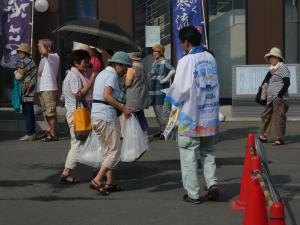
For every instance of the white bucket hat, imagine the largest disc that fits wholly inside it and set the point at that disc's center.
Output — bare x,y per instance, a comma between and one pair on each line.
274,52
80,46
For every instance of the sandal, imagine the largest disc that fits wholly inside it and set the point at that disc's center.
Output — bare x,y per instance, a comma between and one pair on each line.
50,138
113,187
262,138
68,179
99,187
278,142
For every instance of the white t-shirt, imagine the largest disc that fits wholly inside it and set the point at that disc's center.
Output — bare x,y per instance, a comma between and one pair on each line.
107,77
73,83
48,81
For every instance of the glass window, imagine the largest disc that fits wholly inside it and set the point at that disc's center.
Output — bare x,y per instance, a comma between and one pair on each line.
227,38
291,31
152,13
72,10
77,9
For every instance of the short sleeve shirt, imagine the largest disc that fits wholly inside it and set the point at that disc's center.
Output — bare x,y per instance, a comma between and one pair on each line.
73,83
48,81
106,78
276,83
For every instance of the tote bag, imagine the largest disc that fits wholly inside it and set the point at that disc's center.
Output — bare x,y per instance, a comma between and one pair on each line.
82,121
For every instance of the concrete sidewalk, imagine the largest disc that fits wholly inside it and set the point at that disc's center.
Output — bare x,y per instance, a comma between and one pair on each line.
30,192
12,121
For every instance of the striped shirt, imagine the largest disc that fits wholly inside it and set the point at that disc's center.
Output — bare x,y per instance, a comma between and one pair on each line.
276,83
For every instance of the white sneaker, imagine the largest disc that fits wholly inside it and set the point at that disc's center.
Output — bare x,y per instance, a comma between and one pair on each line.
28,138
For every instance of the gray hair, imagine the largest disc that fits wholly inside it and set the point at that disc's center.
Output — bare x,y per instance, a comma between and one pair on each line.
47,43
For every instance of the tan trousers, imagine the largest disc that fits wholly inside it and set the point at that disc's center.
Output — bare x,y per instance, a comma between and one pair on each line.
109,137
75,144
275,111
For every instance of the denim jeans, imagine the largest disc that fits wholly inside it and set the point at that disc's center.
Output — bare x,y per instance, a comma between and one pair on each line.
28,112
142,120
191,149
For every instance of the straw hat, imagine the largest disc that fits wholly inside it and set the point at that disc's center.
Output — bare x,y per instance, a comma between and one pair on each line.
159,48
80,46
24,47
121,58
274,52
135,56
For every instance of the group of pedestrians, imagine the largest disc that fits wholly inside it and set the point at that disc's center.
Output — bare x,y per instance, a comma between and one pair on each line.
38,81
193,89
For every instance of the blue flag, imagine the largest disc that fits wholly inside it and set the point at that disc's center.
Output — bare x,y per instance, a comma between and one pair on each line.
185,13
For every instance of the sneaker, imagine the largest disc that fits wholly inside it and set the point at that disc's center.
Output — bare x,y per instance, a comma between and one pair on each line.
186,198
213,193
28,137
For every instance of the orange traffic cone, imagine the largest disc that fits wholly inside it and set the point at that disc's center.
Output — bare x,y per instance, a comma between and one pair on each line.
256,212
277,214
241,202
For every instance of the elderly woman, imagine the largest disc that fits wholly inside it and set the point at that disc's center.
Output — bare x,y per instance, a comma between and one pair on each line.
160,78
137,93
27,72
105,120
278,82
75,88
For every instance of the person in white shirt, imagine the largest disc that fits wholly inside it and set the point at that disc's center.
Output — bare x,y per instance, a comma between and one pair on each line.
75,88
48,90
105,120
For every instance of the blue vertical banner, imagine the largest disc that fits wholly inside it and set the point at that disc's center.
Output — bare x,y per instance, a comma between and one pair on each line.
185,13
16,24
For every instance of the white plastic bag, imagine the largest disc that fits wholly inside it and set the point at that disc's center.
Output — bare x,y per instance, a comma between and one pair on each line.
90,153
134,141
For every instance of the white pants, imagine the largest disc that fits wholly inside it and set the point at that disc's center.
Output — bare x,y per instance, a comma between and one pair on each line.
190,151
75,144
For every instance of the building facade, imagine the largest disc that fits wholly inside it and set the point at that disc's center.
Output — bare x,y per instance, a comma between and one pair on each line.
240,32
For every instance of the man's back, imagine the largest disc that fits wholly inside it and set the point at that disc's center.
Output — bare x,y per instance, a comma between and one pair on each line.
48,81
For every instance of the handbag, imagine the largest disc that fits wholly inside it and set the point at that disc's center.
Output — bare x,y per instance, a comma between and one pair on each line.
261,95
82,121
258,97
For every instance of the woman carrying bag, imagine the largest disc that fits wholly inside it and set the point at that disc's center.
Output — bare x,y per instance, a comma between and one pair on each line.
277,96
75,89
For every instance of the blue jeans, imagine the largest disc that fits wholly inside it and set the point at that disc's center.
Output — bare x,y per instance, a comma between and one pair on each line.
28,112
191,149
142,120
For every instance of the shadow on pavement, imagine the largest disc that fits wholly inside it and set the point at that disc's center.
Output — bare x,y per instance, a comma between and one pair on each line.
236,133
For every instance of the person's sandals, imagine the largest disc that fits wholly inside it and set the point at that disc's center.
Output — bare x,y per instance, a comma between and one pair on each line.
99,187
113,187
262,138
50,138
68,179
213,193
278,142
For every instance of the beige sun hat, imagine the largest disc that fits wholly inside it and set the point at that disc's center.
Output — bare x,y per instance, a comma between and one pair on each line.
274,52
135,56
80,46
24,47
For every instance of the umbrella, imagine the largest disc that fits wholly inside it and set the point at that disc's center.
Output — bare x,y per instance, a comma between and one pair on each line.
97,33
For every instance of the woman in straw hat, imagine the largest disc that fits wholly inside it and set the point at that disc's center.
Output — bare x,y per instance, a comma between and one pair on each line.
27,73
278,82
160,77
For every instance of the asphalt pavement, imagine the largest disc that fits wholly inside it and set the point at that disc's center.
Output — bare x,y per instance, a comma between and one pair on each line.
31,194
